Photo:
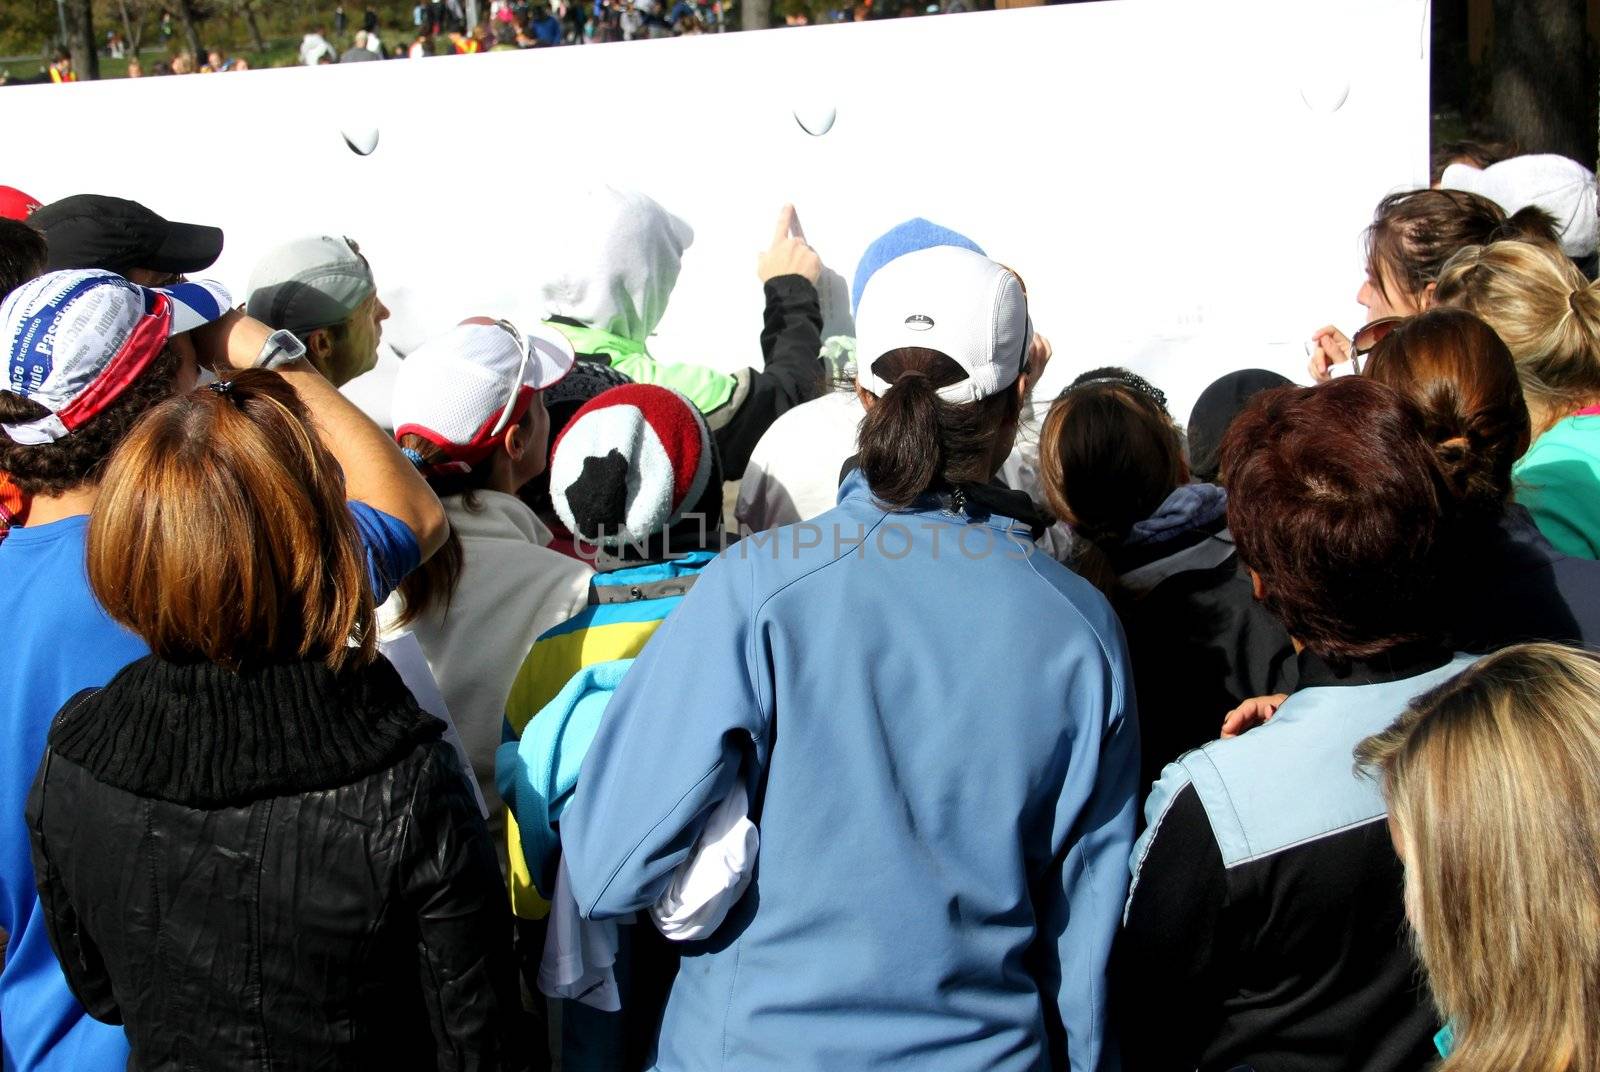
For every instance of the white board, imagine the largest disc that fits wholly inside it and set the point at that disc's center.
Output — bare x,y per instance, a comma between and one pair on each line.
1182,185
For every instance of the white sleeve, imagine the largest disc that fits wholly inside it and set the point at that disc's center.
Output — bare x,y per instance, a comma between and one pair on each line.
712,880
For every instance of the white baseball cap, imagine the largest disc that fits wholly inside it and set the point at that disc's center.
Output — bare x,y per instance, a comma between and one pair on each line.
461,390
308,283
952,300
1562,187
76,339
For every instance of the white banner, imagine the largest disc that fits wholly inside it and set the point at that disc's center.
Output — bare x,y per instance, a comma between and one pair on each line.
1182,185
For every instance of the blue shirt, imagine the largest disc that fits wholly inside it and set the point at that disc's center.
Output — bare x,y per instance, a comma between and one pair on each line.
58,642
935,724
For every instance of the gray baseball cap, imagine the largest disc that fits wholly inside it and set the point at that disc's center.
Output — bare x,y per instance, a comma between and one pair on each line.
309,283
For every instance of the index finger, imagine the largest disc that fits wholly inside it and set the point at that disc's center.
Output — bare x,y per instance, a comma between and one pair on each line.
786,224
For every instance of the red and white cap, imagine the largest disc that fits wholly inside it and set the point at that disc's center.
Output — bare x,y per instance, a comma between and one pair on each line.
16,205
461,390
75,339
629,464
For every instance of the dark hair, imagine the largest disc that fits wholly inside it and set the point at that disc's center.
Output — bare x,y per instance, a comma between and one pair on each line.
1462,379
221,533
1479,152
434,582
912,441
1414,232
76,460
1109,456
22,254
1336,502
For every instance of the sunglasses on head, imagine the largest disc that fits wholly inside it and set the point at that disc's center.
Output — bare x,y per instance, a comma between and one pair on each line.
516,382
1369,336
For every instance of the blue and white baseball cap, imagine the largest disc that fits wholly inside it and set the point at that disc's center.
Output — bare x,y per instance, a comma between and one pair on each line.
952,300
75,339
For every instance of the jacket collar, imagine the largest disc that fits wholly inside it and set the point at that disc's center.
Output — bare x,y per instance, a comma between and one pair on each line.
1396,664
992,504
198,735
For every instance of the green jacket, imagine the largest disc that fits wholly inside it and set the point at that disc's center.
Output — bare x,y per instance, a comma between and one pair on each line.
707,388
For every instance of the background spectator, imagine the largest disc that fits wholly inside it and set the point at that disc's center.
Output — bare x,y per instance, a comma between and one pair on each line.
1548,314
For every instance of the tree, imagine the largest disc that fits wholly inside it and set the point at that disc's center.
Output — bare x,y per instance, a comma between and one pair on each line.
1542,82
247,8
189,15
755,14
132,13
24,28
81,44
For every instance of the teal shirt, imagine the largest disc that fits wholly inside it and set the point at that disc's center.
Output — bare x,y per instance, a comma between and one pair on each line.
1558,480
1445,1040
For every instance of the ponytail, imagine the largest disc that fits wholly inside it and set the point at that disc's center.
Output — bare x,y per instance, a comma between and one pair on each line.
1544,310
912,441
1528,224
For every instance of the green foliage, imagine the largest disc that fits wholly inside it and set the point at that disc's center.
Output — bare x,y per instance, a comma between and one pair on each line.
28,27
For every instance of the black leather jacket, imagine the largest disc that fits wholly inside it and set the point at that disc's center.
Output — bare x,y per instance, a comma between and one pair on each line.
283,869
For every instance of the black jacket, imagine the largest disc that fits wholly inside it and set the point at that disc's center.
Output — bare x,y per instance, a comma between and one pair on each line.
283,869
1200,642
1512,586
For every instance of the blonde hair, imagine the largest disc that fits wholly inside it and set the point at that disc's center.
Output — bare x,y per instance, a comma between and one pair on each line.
1544,310
1493,784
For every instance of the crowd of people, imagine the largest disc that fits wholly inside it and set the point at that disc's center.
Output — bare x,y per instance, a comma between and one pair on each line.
443,28
858,709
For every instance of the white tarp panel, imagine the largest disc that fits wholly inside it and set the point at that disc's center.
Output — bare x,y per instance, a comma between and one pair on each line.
1182,184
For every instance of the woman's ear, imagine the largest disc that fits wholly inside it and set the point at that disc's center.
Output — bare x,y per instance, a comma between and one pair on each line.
868,399
1428,299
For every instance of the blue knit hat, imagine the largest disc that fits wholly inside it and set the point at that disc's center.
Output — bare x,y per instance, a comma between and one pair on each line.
908,237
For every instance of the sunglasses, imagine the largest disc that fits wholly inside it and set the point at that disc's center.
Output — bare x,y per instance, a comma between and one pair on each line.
1366,340
516,382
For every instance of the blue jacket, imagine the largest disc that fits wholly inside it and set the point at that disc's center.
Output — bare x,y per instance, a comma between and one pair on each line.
938,728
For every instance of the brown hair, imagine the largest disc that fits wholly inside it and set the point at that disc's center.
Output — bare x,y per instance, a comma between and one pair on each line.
433,584
1493,801
1462,379
222,534
912,440
76,460
1336,502
1109,456
1478,152
1546,311
1413,234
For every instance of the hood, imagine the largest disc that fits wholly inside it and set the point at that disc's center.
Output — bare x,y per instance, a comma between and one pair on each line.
1189,508
620,255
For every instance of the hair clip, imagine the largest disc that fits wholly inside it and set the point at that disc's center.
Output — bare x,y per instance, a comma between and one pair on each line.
414,456
225,389
1124,378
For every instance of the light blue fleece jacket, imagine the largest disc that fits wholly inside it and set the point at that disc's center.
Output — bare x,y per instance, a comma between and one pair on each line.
938,727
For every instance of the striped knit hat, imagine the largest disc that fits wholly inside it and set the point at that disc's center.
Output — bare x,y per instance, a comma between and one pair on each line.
630,464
